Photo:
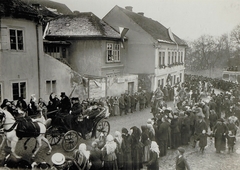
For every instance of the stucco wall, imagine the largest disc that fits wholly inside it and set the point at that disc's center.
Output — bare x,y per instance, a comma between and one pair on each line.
118,85
52,69
89,57
141,53
19,65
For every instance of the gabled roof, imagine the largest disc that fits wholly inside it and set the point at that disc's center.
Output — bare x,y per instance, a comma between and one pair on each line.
17,9
154,28
57,7
80,25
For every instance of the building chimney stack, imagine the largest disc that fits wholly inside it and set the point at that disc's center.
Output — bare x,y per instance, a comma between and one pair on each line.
129,8
141,13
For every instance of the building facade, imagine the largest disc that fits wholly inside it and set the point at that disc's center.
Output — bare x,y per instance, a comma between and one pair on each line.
95,50
154,52
24,68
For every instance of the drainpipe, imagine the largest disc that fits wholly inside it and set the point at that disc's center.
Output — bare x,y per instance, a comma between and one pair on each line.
38,62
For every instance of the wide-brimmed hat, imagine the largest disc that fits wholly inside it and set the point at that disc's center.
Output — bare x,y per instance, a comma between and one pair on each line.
58,159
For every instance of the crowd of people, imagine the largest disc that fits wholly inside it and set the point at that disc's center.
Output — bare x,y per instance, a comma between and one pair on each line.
192,120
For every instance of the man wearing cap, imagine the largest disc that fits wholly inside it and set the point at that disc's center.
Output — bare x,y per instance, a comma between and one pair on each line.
65,104
162,136
181,162
200,125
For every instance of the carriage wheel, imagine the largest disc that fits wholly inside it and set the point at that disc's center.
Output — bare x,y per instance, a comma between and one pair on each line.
102,127
70,140
53,135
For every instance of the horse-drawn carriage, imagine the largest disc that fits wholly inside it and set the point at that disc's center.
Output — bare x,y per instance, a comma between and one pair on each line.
92,124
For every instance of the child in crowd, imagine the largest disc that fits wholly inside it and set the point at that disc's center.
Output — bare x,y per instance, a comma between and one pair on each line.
231,140
203,140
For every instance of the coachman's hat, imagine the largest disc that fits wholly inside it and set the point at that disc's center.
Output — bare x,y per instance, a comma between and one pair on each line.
62,94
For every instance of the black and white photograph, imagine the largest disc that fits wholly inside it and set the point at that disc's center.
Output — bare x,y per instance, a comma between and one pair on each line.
119,84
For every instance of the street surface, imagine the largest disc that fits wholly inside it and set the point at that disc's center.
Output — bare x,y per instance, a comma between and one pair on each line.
209,160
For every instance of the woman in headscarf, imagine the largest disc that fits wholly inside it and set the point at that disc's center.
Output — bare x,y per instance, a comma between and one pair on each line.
151,131
81,155
109,156
118,139
154,155
137,148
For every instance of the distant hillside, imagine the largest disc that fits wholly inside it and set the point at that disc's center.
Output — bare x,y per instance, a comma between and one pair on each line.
51,5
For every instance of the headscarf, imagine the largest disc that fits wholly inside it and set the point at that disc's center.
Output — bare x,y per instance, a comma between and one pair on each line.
118,137
154,148
83,149
110,144
151,129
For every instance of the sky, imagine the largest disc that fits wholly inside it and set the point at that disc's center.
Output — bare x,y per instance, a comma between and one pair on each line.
188,19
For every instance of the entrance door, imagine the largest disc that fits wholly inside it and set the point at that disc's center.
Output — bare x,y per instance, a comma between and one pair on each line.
130,88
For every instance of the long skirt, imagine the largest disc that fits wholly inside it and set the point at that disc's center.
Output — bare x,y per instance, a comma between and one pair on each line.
116,111
146,153
110,165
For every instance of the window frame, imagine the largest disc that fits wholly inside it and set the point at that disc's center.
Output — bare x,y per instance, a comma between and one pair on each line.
52,89
19,89
16,39
115,52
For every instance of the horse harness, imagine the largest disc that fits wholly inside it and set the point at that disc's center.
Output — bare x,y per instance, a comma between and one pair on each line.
25,127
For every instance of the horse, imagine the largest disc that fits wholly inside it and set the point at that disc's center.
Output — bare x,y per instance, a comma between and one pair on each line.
11,131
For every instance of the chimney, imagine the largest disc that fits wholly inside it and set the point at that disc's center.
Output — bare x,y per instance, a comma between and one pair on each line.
141,13
129,8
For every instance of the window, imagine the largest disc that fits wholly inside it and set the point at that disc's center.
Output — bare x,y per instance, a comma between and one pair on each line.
16,39
113,52
181,57
19,90
173,58
1,95
161,59
50,86
169,57
180,77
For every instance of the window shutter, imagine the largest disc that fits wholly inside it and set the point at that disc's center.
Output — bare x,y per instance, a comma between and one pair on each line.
4,44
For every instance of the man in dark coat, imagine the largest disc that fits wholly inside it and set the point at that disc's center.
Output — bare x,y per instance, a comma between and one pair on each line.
65,103
127,101
220,130
162,136
200,125
121,104
126,148
132,98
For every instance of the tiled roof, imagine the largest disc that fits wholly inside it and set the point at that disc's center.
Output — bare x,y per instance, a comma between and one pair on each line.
81,25
17,9
58,7
154,28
